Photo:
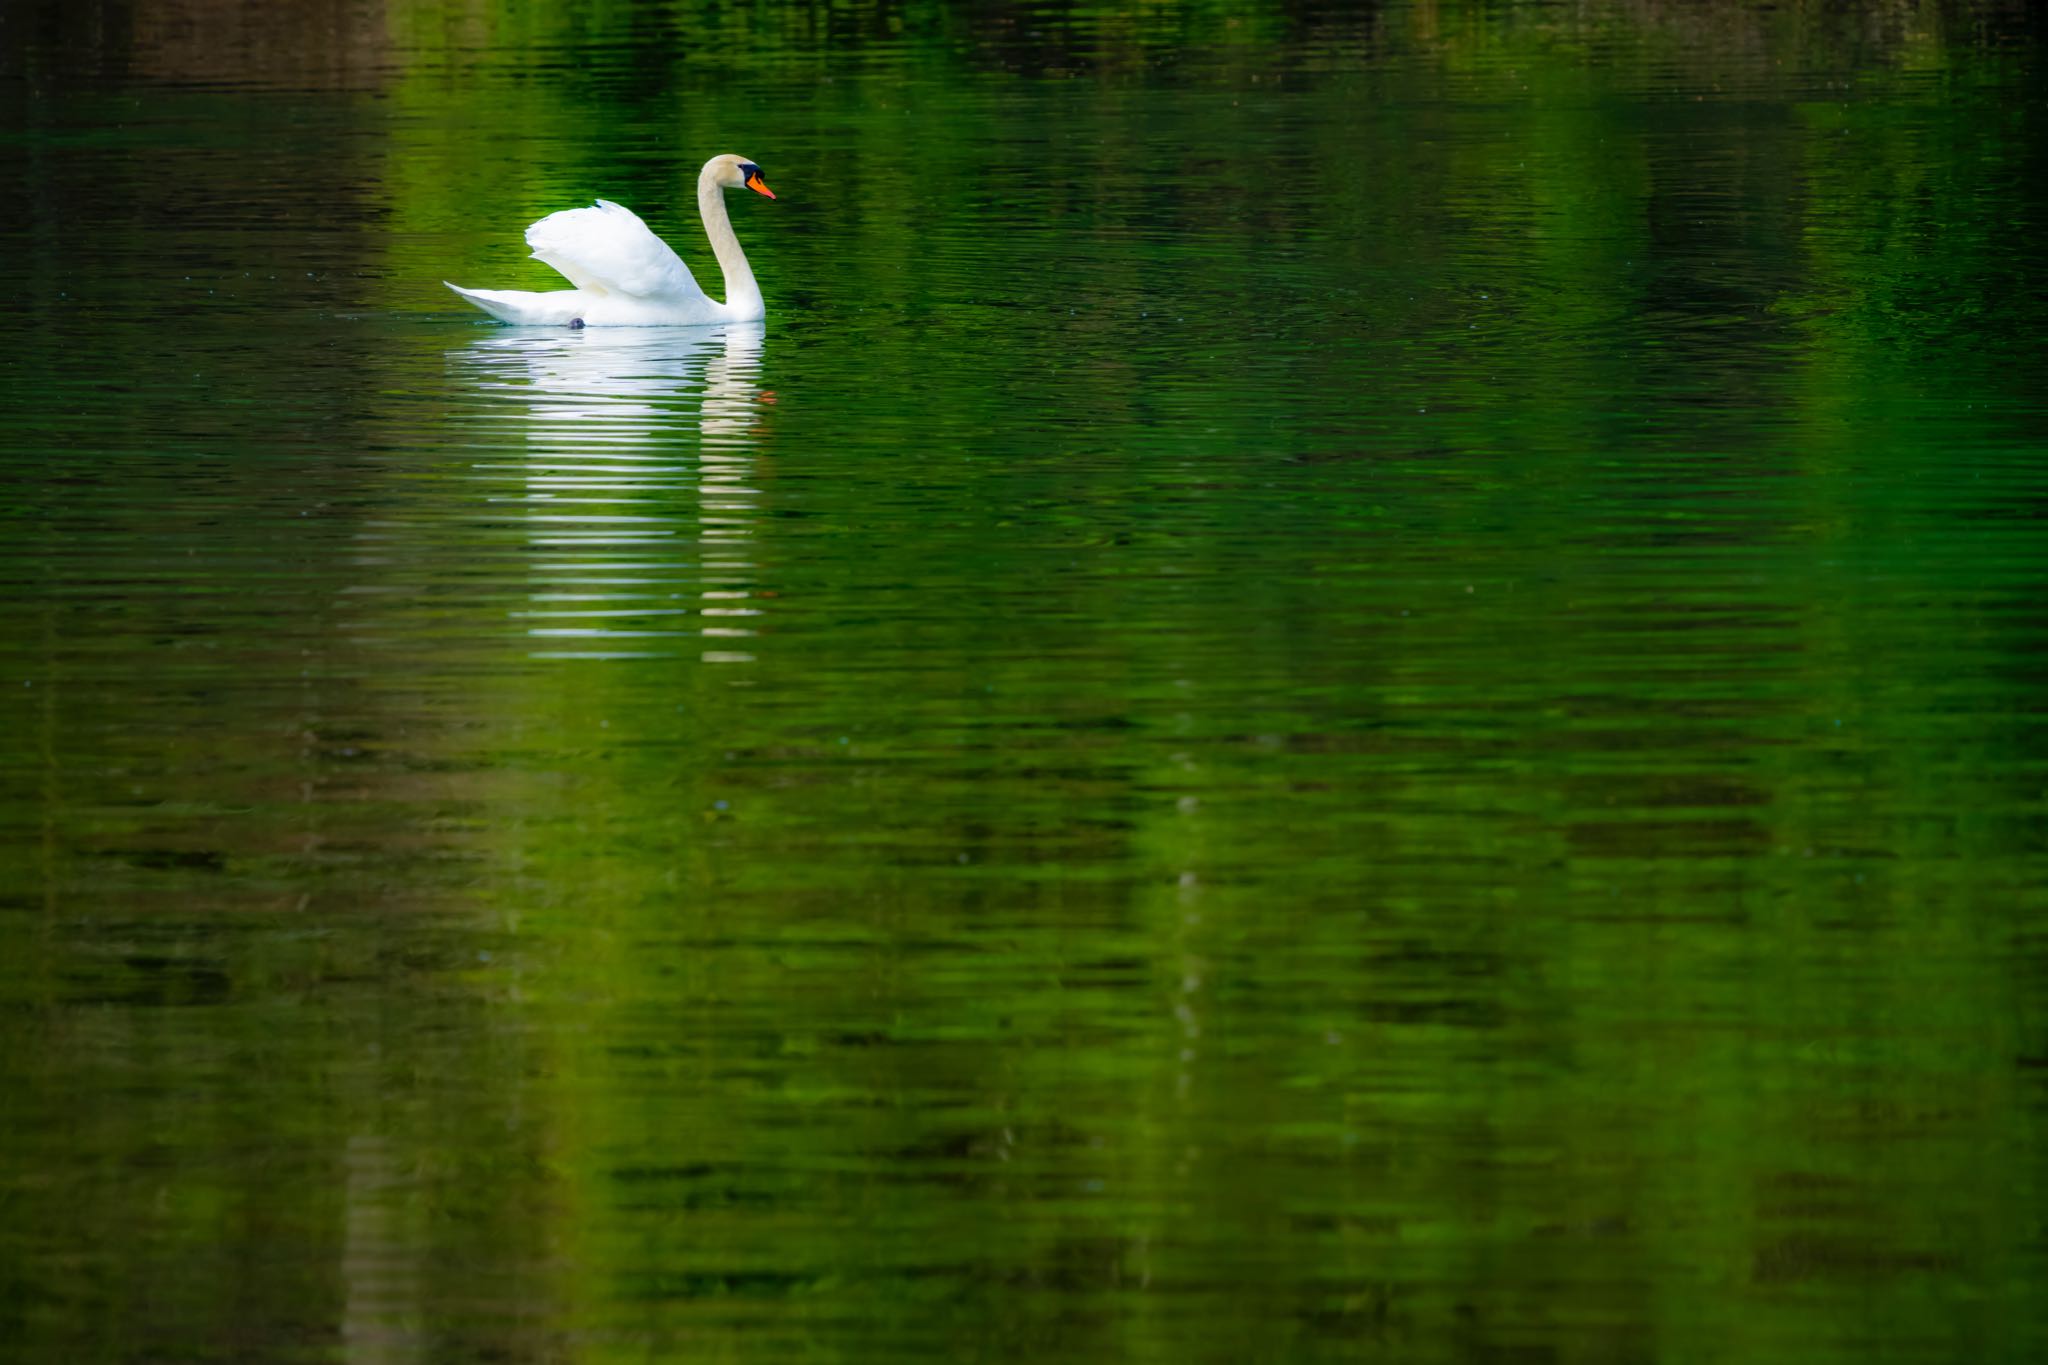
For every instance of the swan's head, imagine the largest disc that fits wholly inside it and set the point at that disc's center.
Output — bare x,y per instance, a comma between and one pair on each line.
736,172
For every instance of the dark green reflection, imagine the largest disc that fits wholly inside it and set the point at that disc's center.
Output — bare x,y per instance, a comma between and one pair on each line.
1336,684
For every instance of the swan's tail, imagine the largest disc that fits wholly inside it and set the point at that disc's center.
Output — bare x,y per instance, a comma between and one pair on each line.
525,308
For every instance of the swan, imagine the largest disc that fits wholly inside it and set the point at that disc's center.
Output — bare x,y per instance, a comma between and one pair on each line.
625,276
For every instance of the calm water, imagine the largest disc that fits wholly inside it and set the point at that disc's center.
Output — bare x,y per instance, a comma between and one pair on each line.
1335,685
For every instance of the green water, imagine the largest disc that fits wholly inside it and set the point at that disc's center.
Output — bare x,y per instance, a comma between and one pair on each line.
1336,685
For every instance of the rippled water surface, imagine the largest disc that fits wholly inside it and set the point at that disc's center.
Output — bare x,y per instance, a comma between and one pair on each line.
1352,684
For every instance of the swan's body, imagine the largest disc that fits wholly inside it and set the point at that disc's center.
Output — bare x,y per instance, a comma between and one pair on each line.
625,276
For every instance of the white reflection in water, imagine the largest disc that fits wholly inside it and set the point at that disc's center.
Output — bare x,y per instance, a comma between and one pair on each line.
635,473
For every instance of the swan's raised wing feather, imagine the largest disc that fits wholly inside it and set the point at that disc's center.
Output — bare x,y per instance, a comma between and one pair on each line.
608,250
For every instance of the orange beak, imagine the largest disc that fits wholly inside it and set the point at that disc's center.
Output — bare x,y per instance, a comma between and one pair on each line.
759,186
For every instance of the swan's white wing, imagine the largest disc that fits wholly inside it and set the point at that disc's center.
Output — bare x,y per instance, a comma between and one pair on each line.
608,250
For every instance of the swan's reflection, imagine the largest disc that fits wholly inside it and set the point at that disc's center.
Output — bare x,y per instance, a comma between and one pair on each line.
620,430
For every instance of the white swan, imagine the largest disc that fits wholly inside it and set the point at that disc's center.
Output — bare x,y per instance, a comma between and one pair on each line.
625,276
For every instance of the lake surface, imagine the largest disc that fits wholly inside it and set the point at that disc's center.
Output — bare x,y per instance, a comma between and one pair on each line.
1336,684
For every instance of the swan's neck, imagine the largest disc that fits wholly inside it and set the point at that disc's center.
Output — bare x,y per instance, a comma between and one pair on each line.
742,295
